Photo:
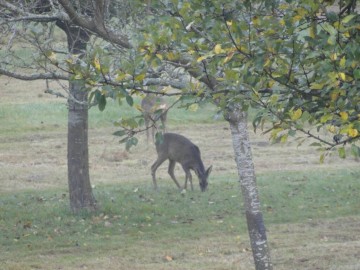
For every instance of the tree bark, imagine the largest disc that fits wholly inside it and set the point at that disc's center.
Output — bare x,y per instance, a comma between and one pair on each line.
80,190
237,119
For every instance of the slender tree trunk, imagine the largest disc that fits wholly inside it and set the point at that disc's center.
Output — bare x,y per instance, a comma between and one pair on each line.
81,196
80,190
242,148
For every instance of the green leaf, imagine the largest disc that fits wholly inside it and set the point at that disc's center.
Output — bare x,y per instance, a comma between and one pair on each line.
348,18
292,132
102,102
357,74
284,138
316,144
130,143
329,28
129,100
92,95
120,133
322,158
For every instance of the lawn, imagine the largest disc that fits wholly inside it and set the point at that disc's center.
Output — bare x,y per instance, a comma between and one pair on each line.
311,210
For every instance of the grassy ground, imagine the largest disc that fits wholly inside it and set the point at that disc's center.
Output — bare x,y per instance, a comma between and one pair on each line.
311,210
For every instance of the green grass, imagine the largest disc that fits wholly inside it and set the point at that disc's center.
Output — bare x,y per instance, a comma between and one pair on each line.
34,223
135,225
300,196
19,119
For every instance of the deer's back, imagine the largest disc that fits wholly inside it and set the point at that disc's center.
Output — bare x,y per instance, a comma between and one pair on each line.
178,148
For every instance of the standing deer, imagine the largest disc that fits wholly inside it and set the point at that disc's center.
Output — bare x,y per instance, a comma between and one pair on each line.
153,108
177,148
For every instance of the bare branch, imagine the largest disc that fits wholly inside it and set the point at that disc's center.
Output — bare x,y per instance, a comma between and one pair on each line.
92,26
35,76
57,14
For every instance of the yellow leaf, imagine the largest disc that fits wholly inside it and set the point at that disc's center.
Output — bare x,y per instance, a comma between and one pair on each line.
353,132
312,32
326,118
333,56
140,77
158,55
255,20
344,116
332,129
52,56
322,158
193,107
342,62
342,76
297,18
296,115
217,49
78,76
229,23
171,56
267,62
284,138
334,96
228,57
317,86
283,6
270,83
282,22
138,107
201,58
97,63
120,77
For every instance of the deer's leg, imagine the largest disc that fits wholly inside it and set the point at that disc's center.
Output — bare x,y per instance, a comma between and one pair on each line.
188,176
146,119
171,172
190,179
154,167
153,133
163,120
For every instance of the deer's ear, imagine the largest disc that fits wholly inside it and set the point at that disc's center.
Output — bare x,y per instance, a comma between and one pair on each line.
208,171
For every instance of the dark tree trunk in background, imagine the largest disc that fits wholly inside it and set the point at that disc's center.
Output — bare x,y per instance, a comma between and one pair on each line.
80,190
242,148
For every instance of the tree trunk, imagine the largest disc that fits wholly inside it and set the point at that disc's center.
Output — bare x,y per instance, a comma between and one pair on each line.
80,190
81,196
242,148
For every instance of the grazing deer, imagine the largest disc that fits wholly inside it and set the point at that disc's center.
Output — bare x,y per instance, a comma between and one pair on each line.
177,148
153,108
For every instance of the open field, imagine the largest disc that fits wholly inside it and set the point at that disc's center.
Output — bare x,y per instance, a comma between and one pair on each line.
311,210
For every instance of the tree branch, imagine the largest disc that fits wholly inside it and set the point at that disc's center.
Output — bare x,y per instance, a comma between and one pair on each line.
35,76
93,27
